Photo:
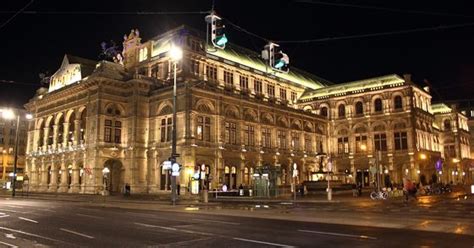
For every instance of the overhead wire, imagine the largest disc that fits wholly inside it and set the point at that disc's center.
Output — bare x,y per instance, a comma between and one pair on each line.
384,8
15,14
34,12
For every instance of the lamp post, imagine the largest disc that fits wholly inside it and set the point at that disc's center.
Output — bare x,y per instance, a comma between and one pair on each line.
175,54
9,114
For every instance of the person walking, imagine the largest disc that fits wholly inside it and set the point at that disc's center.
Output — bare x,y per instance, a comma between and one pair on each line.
409,189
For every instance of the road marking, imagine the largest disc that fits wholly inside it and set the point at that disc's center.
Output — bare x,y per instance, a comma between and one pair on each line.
90,216
162,227
30,220
263,242
77,233
217,221
29,234
8,210
3,216
46,210
7,244
14,206
10,236
339,234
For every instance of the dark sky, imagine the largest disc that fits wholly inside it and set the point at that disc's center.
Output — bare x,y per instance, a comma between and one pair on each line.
34,43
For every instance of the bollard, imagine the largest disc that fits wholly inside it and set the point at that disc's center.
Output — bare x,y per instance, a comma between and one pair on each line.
250,192
205,196
241,192
329,190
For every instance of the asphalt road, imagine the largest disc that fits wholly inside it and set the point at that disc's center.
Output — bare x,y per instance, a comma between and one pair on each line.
36,223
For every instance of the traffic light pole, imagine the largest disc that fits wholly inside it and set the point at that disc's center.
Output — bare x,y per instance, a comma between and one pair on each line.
15,161
173,146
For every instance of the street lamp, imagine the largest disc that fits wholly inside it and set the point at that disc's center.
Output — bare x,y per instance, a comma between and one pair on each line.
175,54
9,114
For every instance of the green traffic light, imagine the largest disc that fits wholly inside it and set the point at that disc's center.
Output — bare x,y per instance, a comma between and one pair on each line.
221,41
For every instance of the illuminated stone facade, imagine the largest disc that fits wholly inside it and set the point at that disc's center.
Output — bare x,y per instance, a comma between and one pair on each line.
243,123
7,144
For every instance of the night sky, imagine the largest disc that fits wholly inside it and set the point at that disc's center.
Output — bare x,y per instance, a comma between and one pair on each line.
35,43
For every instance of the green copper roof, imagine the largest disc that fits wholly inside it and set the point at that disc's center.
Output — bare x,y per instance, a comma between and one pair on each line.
250,59
440,108
355,87
242,58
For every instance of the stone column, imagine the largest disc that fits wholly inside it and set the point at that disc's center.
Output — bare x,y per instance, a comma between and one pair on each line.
43,175
65,135
75,186
55,136
45,138
77,131
63,186
53,184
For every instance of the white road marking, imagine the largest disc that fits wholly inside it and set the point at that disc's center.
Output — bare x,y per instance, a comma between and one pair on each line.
29,234
90,216
13,206
3,216
161,227
9,245
8,210
339,234
10,236
217,221
77,233
263,242
30,220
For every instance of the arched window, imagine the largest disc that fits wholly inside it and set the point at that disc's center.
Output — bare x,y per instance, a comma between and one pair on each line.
41,135
83,125
324,112
50,132
359,108
341,111
378,105
72,127
447,125
59,138
397,103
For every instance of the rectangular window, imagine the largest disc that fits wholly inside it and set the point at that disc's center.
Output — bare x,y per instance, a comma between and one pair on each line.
293,96
271,90
361,143
281,135
118,134
401,141
449,151
169,129
195,67
343,145
163,130
211,72
257,86
249,135
244,82
195,46
307,143
266,137
108,131
203,131
228,78
230,133
380,142
282,94
295,141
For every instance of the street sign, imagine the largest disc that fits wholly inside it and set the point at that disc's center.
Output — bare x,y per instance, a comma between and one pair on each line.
175,169
167,165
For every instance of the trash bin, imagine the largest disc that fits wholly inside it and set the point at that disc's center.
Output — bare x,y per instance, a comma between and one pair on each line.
205,196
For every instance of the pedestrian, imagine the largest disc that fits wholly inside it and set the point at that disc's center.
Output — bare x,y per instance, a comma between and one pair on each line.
359,189
178,187
409,189
354,190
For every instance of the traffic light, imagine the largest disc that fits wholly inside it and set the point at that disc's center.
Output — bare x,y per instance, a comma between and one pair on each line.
277,60
218,37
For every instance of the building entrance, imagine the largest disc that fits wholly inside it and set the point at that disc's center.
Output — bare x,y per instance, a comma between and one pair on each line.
112,174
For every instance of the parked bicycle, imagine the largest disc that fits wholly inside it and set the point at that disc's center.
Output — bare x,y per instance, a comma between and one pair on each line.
377,195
